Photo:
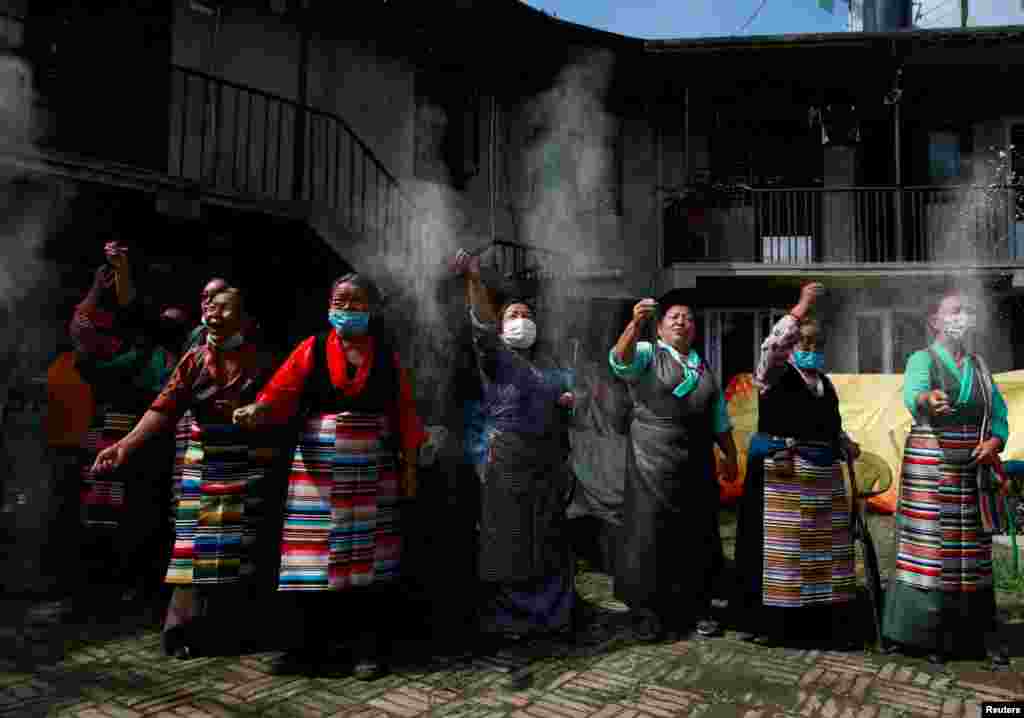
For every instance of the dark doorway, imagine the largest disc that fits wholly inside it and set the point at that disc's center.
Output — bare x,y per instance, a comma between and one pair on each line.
737,345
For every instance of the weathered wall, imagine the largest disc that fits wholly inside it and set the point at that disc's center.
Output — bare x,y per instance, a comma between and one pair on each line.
349,77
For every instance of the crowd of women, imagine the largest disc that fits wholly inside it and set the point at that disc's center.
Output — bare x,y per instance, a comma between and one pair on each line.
204,412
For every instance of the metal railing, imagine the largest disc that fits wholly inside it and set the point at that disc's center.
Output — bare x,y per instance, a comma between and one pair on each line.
788,225
237,139
529,262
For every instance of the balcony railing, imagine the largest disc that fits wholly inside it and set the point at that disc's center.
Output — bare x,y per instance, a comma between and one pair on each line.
244,141
854,225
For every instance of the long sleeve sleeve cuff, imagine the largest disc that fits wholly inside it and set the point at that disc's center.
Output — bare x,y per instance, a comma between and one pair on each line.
642,356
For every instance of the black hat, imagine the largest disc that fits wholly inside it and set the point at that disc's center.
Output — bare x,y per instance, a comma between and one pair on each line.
672,298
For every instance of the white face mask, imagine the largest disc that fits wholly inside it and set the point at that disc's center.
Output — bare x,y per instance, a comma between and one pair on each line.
957,325
519,333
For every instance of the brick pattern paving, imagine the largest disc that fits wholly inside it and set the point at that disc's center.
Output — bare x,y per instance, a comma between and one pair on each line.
612,678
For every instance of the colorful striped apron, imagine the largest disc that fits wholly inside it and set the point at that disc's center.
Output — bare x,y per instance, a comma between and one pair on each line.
808,547
940,546
219,509
341,526
103,498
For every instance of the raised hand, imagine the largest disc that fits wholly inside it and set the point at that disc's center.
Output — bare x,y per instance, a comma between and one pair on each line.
644,310
809,295
464,263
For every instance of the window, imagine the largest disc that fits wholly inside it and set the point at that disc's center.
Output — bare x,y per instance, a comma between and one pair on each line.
787,250
887,338
870,354
909,335
729,334
943,156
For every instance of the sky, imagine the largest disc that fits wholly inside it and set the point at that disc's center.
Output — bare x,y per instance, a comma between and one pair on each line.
651,19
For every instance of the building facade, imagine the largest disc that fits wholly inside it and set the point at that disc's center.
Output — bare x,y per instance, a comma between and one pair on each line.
734,169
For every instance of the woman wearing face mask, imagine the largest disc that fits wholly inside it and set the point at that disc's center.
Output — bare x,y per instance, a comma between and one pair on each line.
669,554
218,512
356,455
198,335
523,561
183,431
796,583
940,597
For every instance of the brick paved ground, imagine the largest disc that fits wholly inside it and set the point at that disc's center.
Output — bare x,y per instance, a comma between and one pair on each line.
115,669
105,671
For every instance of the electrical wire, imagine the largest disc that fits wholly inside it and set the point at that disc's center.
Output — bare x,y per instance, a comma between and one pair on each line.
753,17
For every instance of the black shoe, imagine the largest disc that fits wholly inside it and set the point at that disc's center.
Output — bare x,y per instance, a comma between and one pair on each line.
369,669
647,628
173,639
936,658
1000,659
708,628
298,663
845,645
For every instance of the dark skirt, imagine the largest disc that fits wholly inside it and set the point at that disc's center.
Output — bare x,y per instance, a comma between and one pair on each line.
525,563
668,556
125,538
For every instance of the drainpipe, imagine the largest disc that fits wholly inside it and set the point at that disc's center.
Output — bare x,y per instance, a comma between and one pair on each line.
893,99
493,162
299,163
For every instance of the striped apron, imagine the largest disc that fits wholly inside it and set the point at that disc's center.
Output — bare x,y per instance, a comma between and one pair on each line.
219,508
182,434
940,546
341,525
808,547
103,498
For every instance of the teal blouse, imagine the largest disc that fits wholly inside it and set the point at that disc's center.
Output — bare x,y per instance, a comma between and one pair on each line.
917,378
643,357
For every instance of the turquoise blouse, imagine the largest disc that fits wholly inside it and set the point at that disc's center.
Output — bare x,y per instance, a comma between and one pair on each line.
917,378
643,357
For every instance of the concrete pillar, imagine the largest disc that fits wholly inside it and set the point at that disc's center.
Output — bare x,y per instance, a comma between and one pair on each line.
838,207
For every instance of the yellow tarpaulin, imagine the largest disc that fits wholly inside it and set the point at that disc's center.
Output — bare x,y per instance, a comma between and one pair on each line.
872,409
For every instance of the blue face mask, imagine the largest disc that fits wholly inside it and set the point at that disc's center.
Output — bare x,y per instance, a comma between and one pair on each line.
809,360
349,324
